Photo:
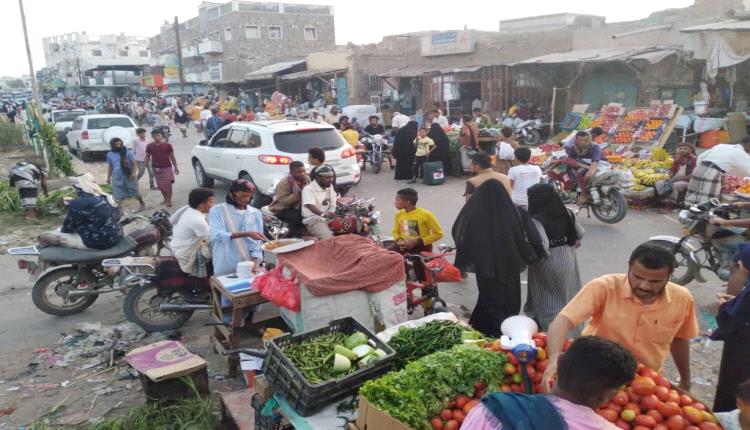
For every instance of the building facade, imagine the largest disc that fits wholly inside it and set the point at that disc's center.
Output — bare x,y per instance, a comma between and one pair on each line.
228,40
106,64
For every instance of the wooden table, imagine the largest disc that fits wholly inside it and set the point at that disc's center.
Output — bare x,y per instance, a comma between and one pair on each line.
225,335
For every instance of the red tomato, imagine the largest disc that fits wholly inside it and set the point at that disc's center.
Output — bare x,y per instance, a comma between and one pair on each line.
540,343
567,343
437,424
509,369
662,393
608,414
650,402
640,368
512,359
479,386
641,428
616,407
450,405
541,366
693,415
676,422
634,397
446,414
649,374
451,425
461,401
700,406
622,424
469,406
661,427
635,407
709,426
674,396
655,415
516,388
621,398
663,382
692,427
645,420
686,400
643,386
459,415
668,409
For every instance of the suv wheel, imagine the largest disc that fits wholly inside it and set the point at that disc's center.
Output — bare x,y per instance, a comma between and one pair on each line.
201,177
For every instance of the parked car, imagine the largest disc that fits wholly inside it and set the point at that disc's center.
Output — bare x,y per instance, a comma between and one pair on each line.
63,122
261,151
91,133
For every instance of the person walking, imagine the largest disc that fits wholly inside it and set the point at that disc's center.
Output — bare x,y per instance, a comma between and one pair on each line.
161,155
489,237
181,119
122,173
139,150
469,138
555,280
442,146
404,150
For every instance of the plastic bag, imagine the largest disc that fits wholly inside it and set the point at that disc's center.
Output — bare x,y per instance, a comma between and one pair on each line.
279,290
449,272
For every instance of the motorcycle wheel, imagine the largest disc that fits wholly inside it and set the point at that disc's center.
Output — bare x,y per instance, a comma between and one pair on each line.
56,284
439,305
377,162
534,138
684,272
141,306
616,211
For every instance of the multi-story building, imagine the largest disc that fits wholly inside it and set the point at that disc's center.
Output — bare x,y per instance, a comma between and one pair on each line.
107,64
228,40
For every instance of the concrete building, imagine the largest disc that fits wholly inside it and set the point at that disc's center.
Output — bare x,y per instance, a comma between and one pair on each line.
228,40
559,21
106,64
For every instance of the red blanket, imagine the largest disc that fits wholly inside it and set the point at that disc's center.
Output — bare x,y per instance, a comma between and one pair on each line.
345,263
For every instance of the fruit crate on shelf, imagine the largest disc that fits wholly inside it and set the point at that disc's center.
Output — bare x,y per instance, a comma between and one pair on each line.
305,397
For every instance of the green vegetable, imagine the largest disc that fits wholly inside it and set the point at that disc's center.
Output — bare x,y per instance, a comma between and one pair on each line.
346,352
419,391
314,357
362,350
380,353
413,343
341,363
368,360
356,339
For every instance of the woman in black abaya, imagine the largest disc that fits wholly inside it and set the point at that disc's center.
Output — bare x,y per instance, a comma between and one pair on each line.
442,146
489,237
404,149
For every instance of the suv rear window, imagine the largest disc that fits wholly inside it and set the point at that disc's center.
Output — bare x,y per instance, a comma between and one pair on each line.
66,116
101,123
299,142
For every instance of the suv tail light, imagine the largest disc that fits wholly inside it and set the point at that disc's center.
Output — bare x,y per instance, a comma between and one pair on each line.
275,159
85,134
348,152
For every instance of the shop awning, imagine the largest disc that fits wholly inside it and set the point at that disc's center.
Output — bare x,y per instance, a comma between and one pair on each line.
306,74
270,71
406,72
726,25
652,55
467,69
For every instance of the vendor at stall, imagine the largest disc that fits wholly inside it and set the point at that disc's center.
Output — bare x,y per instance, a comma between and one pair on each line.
572,403
640,310
723,159
672,190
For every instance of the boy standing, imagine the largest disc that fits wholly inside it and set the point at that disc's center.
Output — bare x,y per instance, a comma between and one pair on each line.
425,146
415,229
523,176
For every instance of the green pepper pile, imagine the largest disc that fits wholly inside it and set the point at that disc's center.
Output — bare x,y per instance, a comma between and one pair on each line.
422,388
314,357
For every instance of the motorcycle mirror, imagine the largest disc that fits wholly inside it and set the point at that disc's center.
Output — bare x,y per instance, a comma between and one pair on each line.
715,202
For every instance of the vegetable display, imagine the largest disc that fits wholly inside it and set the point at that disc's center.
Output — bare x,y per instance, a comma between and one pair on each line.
327,357
423,388
413,343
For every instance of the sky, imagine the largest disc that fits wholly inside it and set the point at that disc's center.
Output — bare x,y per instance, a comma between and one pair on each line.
357,21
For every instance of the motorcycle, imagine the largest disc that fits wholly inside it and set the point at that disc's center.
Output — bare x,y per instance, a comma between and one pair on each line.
377,150
607,200
429,298
160,295
77,277
527,132
356,216
703,245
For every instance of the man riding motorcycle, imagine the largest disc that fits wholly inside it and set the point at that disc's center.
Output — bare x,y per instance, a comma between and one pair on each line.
582,159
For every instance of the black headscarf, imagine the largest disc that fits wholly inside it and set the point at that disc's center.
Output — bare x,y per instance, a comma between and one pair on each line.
489,234
546,207
442,150
404,149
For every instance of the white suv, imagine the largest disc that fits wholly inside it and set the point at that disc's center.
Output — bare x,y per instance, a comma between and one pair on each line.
63,122
92,133
262,151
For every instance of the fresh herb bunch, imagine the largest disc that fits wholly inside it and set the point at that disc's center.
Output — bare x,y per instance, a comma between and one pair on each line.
413,343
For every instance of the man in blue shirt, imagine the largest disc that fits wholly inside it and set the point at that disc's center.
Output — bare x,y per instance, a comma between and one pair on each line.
583,160
214,123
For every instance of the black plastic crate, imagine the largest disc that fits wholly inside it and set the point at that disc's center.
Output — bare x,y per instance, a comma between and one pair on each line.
307,398
263,422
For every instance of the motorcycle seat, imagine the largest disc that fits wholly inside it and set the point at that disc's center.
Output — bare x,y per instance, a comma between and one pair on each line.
61,254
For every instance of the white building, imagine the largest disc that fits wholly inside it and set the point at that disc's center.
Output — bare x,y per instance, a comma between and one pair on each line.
108,64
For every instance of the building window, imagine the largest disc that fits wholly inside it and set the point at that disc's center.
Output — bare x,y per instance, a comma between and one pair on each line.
228,33
374,84
274,32
252,32
311,33
123,53
96,52
143,53
214,35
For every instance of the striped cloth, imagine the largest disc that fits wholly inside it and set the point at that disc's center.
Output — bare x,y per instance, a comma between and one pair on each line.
705,184
553,282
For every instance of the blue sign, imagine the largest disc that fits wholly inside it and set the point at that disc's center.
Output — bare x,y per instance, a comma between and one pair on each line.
444,38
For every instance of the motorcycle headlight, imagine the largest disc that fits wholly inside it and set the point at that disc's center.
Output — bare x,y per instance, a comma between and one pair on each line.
684,217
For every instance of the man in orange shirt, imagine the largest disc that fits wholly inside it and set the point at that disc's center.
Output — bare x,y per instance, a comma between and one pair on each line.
640,310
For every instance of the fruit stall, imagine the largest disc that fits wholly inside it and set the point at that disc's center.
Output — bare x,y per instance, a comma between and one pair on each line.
429,374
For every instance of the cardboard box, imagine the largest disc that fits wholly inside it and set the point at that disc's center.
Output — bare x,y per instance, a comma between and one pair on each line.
369,417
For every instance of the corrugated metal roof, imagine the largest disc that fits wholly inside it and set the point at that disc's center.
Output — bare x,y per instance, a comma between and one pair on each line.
466,69
727,25
406,72
652,55
268,72
309,74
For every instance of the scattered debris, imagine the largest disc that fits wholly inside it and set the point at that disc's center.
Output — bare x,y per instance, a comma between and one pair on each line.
7,411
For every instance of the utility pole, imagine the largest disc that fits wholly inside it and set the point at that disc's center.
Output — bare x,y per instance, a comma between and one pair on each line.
179,54
34,88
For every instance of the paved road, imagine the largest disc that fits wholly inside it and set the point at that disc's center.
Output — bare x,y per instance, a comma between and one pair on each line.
605,250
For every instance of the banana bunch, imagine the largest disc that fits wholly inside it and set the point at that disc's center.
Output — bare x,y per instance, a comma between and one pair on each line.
659,154
650,179
638,187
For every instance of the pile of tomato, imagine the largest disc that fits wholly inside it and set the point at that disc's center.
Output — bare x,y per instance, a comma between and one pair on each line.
456,410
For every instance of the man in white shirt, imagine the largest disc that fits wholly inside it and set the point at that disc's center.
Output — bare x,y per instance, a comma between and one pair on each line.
319,203
523,176
438,117
723,159
399,120
333,115
191,231
205,115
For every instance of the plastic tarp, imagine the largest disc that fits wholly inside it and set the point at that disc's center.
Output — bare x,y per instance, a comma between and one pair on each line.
721,56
